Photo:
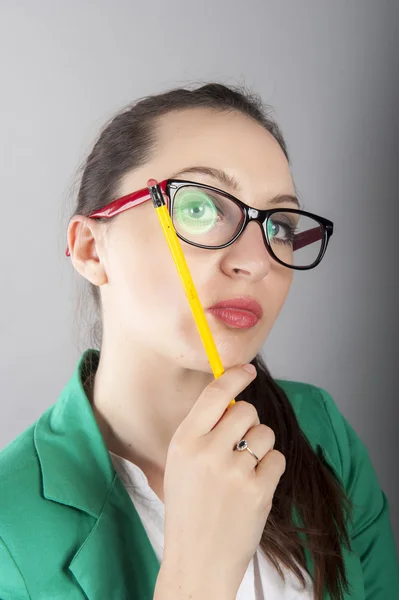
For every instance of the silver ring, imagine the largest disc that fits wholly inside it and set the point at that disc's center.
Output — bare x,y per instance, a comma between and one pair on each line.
243,445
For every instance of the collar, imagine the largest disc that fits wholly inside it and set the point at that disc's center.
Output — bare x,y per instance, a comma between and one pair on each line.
76,467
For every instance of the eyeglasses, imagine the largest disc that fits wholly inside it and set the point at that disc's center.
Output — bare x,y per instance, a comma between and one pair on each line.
209,218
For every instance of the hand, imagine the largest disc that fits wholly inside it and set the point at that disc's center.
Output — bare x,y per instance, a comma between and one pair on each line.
216,500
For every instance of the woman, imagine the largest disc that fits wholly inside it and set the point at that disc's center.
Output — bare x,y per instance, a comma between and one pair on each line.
271,497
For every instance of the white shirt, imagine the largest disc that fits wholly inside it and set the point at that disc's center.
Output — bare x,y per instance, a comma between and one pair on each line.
261,580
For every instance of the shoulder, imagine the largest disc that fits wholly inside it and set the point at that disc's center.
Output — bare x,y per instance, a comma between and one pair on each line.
18,466
28,516
321,421
310,402
373,561
331,435
21,498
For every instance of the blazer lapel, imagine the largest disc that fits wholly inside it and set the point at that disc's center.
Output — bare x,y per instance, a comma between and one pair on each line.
116,559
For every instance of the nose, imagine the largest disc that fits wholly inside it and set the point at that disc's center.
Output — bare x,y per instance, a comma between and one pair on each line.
248,255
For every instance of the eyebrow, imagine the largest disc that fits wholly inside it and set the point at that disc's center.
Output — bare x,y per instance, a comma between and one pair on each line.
230,181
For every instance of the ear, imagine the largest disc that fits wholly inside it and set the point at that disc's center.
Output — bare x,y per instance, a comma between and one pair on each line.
84,236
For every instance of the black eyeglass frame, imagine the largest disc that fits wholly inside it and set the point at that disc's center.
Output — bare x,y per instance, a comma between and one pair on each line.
251,214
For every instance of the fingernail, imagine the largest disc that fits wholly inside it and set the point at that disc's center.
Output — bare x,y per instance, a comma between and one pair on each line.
250,368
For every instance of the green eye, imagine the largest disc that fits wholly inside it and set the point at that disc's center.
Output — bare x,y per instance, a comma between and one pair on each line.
272,229
280,231
195,211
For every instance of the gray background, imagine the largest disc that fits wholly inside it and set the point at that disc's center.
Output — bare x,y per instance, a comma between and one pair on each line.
330,69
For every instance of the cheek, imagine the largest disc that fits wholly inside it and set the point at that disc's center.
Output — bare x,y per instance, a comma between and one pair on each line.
146,286
278,287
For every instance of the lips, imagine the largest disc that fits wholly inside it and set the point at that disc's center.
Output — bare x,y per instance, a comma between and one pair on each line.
243,303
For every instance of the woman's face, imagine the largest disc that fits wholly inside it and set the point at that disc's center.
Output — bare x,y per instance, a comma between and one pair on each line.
144,303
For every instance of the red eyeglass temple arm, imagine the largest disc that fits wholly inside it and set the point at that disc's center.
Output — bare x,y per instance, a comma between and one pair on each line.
307,237
121,204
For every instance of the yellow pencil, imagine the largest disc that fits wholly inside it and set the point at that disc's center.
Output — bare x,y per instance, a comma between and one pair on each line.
185,275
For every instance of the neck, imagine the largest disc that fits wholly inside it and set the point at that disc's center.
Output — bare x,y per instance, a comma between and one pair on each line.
139,400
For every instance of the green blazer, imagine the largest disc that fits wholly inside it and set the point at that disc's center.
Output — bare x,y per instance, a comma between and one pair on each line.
68,529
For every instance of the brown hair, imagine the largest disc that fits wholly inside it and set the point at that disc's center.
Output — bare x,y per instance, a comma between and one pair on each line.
125,143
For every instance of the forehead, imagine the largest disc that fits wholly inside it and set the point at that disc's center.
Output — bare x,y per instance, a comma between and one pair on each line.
228,138
228,141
